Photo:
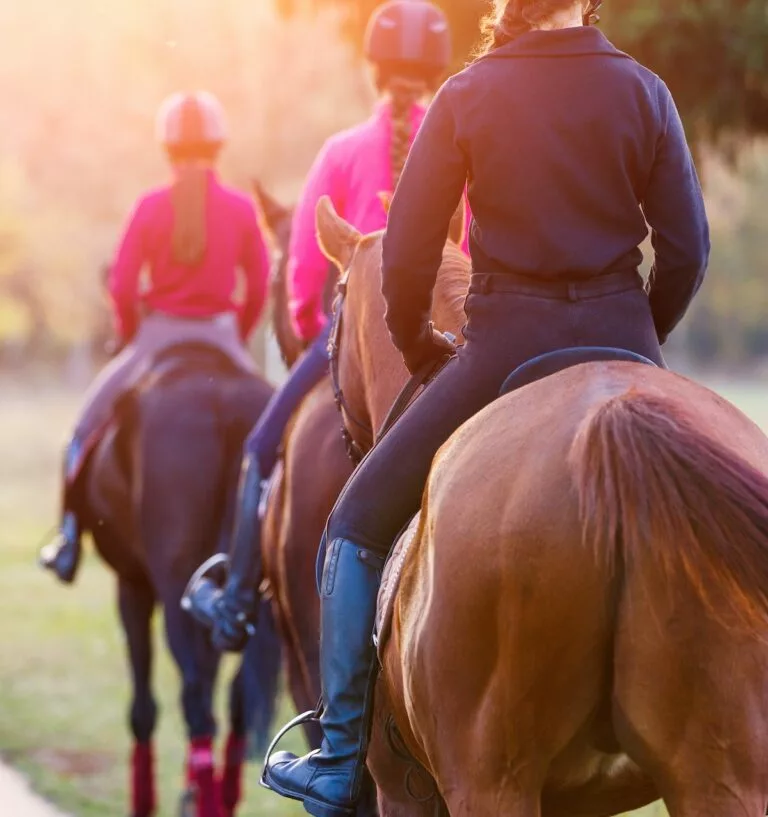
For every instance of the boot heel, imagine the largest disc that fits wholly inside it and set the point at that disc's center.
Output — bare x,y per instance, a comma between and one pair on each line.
320,810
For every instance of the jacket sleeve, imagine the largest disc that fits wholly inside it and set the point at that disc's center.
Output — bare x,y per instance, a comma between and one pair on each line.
674,208
124,275
308,268
426,198
255,265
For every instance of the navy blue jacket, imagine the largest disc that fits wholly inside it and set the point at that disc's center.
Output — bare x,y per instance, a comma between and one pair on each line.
568,147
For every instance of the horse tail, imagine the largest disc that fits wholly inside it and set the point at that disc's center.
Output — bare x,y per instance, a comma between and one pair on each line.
261,667
653,486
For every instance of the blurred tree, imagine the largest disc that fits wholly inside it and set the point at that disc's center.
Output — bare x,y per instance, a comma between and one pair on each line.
729,318
711,53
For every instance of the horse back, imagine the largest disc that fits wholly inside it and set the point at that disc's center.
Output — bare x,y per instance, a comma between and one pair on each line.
166,470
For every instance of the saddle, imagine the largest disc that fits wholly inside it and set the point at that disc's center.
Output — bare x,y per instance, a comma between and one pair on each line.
529,372
177,360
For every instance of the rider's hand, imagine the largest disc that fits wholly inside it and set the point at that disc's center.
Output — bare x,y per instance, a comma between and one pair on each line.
430,346
230,630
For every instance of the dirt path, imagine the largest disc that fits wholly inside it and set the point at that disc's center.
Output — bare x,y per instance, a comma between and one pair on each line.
17,799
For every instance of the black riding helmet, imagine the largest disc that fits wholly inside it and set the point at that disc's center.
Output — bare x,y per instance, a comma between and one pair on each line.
409,37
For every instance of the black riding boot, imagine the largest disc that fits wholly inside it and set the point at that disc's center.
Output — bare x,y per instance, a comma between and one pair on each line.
328,780
62,555
237,606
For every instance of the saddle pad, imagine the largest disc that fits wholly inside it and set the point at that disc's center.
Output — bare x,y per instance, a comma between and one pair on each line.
542,366
390,582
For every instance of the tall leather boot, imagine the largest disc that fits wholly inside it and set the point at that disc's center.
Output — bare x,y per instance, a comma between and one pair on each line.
237,606
62,555
329,780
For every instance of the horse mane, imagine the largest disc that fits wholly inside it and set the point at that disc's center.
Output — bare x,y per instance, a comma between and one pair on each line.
451,286
451,283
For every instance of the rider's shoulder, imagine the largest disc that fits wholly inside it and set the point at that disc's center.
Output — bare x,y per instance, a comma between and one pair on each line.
152,199
339,144
237,199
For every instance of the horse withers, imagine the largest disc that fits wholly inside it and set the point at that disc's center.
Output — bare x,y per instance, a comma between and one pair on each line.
157,495
581,623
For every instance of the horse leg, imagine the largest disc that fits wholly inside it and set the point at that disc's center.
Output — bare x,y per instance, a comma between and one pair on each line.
231,779
301,669
136,601
198,663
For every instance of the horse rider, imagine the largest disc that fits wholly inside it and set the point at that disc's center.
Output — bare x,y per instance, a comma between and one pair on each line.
570,150
194,235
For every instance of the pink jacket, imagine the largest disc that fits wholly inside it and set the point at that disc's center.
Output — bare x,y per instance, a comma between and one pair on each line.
352,168
233,241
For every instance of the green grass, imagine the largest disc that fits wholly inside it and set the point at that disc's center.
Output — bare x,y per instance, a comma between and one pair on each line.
63,678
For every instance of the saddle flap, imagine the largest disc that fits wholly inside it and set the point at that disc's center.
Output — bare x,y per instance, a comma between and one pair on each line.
390,583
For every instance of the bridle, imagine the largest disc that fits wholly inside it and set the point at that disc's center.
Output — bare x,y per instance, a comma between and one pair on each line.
353,448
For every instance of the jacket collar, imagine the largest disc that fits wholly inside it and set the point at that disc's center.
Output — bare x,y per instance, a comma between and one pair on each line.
564,42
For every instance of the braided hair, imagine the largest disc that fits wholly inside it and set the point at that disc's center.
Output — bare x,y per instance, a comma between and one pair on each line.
405,93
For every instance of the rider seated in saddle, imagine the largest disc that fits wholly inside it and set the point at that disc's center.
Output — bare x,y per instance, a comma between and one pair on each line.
408,45
570,150
193,235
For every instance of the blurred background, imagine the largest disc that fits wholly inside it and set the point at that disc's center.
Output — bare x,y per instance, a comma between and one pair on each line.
80,82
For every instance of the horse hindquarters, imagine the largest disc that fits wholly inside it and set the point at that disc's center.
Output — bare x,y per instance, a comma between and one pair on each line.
690,520
501,630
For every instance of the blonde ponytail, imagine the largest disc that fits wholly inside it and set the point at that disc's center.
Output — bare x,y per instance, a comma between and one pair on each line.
189,195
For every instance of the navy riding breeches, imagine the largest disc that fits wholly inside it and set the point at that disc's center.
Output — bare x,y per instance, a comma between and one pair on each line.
506,325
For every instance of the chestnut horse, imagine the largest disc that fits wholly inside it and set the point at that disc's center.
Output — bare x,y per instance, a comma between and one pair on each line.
313,470
604,643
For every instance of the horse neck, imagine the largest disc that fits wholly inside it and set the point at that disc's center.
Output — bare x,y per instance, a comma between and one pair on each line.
372,369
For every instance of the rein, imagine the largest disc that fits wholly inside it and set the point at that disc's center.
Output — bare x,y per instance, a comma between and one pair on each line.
402,401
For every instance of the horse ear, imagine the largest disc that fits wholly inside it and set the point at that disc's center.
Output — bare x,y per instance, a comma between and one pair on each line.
337,238
458,225
385,198
273,212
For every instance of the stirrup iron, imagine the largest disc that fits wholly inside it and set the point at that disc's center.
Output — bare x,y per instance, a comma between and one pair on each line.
312,715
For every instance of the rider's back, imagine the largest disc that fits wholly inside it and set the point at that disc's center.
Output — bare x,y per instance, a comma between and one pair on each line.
353,168
187,290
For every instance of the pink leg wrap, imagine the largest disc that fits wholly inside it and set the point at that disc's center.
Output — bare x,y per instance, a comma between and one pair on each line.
231,782
143,798
200,776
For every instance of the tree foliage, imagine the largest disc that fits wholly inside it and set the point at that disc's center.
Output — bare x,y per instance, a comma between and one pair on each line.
711,53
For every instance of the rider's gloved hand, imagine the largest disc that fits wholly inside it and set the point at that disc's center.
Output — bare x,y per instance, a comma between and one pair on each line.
430,346
231,624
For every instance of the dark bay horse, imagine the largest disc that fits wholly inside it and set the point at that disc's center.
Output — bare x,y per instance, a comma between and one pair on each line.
157,496
313,469
582,622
